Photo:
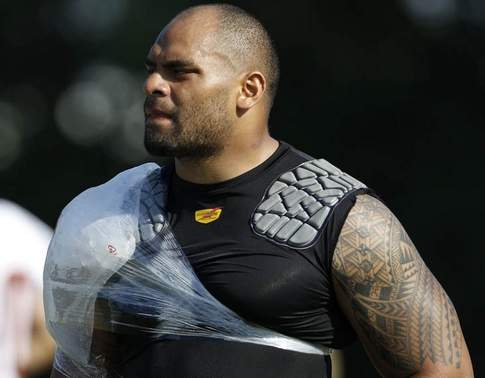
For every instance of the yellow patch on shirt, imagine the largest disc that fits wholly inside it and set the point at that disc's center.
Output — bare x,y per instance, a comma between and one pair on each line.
208,215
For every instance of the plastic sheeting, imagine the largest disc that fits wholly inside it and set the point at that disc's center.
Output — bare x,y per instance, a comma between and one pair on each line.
115,267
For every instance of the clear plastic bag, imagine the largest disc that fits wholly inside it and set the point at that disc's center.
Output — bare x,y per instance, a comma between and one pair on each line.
115,267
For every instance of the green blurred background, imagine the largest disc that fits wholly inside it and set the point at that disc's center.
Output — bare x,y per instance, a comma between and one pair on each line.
390,91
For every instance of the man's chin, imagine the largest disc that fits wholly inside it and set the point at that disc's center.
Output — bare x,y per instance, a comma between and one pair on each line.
159,149
180,152
165,149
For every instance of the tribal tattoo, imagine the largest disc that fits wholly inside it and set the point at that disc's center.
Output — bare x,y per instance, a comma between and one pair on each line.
399,309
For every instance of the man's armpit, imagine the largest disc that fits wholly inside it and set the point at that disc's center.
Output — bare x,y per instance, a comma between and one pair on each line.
401,312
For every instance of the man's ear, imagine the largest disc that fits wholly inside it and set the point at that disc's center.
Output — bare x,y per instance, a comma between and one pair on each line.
253,86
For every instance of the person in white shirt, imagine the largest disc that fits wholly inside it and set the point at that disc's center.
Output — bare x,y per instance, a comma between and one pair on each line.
25,345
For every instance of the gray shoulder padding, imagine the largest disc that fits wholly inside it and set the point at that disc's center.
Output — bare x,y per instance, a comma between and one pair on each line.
296,205
153,199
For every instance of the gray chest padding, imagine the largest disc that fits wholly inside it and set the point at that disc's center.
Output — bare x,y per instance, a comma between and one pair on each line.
296,205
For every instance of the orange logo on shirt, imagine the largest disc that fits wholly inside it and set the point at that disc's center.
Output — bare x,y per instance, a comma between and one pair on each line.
208,215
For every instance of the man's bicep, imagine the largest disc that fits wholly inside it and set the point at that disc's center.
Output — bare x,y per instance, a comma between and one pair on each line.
404,318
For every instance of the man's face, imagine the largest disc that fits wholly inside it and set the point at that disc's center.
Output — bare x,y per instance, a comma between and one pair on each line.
188,108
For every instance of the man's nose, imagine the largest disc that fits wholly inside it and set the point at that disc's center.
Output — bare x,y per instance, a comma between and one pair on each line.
156,85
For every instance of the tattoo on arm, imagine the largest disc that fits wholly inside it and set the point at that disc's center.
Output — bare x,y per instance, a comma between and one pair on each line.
399,309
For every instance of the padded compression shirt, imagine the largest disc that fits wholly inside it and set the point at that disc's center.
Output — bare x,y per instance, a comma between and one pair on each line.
275,286
285,289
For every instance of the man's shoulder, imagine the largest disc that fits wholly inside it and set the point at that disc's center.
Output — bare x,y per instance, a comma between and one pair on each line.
106,206
102,225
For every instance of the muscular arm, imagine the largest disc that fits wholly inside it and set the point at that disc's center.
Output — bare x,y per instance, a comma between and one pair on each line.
403,317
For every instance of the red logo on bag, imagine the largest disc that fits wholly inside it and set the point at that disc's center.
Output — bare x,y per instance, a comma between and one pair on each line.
111,249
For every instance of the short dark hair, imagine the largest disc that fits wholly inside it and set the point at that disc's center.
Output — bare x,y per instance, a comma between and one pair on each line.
245,38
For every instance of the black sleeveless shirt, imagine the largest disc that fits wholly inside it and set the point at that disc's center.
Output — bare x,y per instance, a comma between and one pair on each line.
287,290
278,287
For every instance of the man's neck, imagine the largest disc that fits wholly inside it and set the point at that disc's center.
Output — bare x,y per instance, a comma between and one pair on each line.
233,161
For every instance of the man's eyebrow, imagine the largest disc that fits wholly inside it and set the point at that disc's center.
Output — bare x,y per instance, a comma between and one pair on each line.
171,63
